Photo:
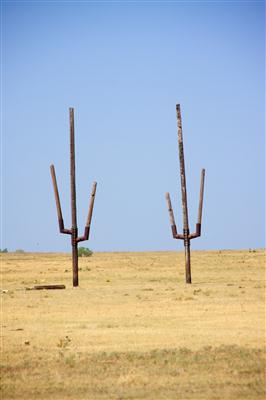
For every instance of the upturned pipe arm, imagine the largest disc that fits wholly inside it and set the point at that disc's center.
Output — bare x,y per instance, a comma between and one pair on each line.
89,217
197,233
172,218
58,205
198,224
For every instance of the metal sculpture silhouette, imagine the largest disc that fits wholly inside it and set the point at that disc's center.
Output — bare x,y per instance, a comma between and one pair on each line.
75,239
186,236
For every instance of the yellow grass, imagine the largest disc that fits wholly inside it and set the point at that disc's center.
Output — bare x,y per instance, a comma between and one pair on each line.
133,329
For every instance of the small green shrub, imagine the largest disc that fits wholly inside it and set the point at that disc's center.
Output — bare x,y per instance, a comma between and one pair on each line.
19,251
84,252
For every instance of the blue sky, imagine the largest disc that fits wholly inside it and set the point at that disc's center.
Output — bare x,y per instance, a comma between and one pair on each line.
123,66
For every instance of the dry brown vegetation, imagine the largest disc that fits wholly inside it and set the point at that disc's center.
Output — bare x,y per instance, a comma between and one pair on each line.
134,329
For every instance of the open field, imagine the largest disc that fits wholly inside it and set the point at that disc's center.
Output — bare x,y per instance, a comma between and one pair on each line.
134,329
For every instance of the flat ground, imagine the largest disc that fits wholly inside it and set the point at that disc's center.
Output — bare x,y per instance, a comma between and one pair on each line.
133,329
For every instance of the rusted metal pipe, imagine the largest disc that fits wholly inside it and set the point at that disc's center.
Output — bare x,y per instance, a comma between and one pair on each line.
58,205
73,200
182,169
201,196
183,193
187,258
172,218
74,229
198,224
186,237
88,223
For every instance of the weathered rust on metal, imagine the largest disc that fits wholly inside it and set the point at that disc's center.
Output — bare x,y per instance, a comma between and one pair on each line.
184,193
201,196
74,229
73,199
72,170
89,217
182,169
48,287
187,256
172,218
186,237
198,224
58,205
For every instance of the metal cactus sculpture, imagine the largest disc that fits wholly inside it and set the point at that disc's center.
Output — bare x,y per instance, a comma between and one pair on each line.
75,239
186,236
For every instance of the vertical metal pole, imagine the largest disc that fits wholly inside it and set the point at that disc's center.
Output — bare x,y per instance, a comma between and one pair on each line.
184,194
187,259
73,200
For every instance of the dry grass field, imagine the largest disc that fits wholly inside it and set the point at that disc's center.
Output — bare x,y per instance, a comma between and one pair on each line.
134,329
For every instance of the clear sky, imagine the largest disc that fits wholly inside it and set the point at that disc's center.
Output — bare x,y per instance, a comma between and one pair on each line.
123,66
